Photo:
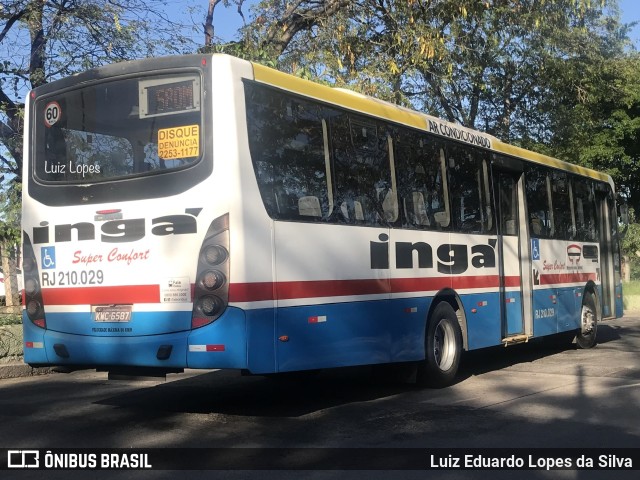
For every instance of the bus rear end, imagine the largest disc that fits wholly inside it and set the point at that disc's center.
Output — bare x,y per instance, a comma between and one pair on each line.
125,246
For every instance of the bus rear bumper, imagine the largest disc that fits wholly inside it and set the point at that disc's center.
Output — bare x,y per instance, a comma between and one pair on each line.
222,344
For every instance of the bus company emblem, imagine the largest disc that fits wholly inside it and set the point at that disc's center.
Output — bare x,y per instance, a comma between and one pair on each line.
451,258
120,230
573,253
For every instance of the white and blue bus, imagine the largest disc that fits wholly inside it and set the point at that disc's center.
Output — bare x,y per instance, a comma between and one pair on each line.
208,212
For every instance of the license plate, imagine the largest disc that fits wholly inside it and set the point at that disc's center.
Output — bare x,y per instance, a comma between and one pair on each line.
111,313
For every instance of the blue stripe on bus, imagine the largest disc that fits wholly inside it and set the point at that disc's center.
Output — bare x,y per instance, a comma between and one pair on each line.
295,338
333,335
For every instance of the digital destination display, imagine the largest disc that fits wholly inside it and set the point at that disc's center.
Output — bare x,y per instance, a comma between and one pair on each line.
169,96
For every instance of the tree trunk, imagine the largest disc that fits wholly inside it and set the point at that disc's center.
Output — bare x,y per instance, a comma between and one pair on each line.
209,31
9,268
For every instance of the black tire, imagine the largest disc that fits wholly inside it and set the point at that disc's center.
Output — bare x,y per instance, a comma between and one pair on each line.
443,348
586,337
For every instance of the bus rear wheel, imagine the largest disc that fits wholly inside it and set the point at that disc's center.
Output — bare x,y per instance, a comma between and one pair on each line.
443,348
586,337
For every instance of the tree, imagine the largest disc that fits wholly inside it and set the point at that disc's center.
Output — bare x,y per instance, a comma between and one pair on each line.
209,27
483,64
598,121
46,39
554,76
9,241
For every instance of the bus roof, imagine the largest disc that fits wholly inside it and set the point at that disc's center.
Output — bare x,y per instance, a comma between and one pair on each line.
389,111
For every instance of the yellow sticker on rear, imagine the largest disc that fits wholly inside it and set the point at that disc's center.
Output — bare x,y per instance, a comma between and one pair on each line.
179,142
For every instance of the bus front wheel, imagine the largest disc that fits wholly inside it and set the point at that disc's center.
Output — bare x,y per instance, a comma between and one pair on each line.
586,337
443,348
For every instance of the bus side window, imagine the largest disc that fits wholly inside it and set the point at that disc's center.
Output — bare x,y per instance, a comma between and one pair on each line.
470,191
422,181
562,207
361,169
536,190
585,210
287,139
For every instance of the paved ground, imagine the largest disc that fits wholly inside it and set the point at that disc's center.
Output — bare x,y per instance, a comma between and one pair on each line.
525,396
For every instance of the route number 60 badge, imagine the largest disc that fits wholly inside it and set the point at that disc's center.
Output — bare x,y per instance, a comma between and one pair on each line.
52,113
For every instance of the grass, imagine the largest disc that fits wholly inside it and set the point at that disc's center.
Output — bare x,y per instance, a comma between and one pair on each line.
631,288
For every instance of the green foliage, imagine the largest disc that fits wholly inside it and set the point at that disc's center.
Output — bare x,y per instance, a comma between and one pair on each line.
10,210
10,319
632,288
631,241
555,76
491,65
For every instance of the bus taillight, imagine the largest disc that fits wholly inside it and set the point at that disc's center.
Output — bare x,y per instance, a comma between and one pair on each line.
212,279
33,303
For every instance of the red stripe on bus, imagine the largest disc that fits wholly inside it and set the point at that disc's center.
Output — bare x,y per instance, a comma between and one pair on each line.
559,278
251,292
401,285
513,281
257,291
101,295
254,292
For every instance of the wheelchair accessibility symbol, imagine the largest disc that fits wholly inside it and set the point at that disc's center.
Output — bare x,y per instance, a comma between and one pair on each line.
48,257
535,249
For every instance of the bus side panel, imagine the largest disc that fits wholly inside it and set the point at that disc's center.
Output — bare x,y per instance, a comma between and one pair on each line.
222,344
568,316
334,335
544,312
251,229
483,326
372,332
355,333
34,342
409,318
330,266
261,338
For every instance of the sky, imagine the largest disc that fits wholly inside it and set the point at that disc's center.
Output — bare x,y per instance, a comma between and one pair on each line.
630,12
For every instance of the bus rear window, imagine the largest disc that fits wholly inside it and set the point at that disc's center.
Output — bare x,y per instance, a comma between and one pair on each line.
118,129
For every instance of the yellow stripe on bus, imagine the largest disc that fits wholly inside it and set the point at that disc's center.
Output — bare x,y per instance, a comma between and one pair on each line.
347,99
535,157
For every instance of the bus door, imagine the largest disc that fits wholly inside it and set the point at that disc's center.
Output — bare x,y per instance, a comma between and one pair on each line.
513,249
607,232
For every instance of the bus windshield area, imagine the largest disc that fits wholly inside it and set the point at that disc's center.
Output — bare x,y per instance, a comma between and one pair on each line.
118,129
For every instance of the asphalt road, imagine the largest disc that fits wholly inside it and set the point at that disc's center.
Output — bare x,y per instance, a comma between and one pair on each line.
526,396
